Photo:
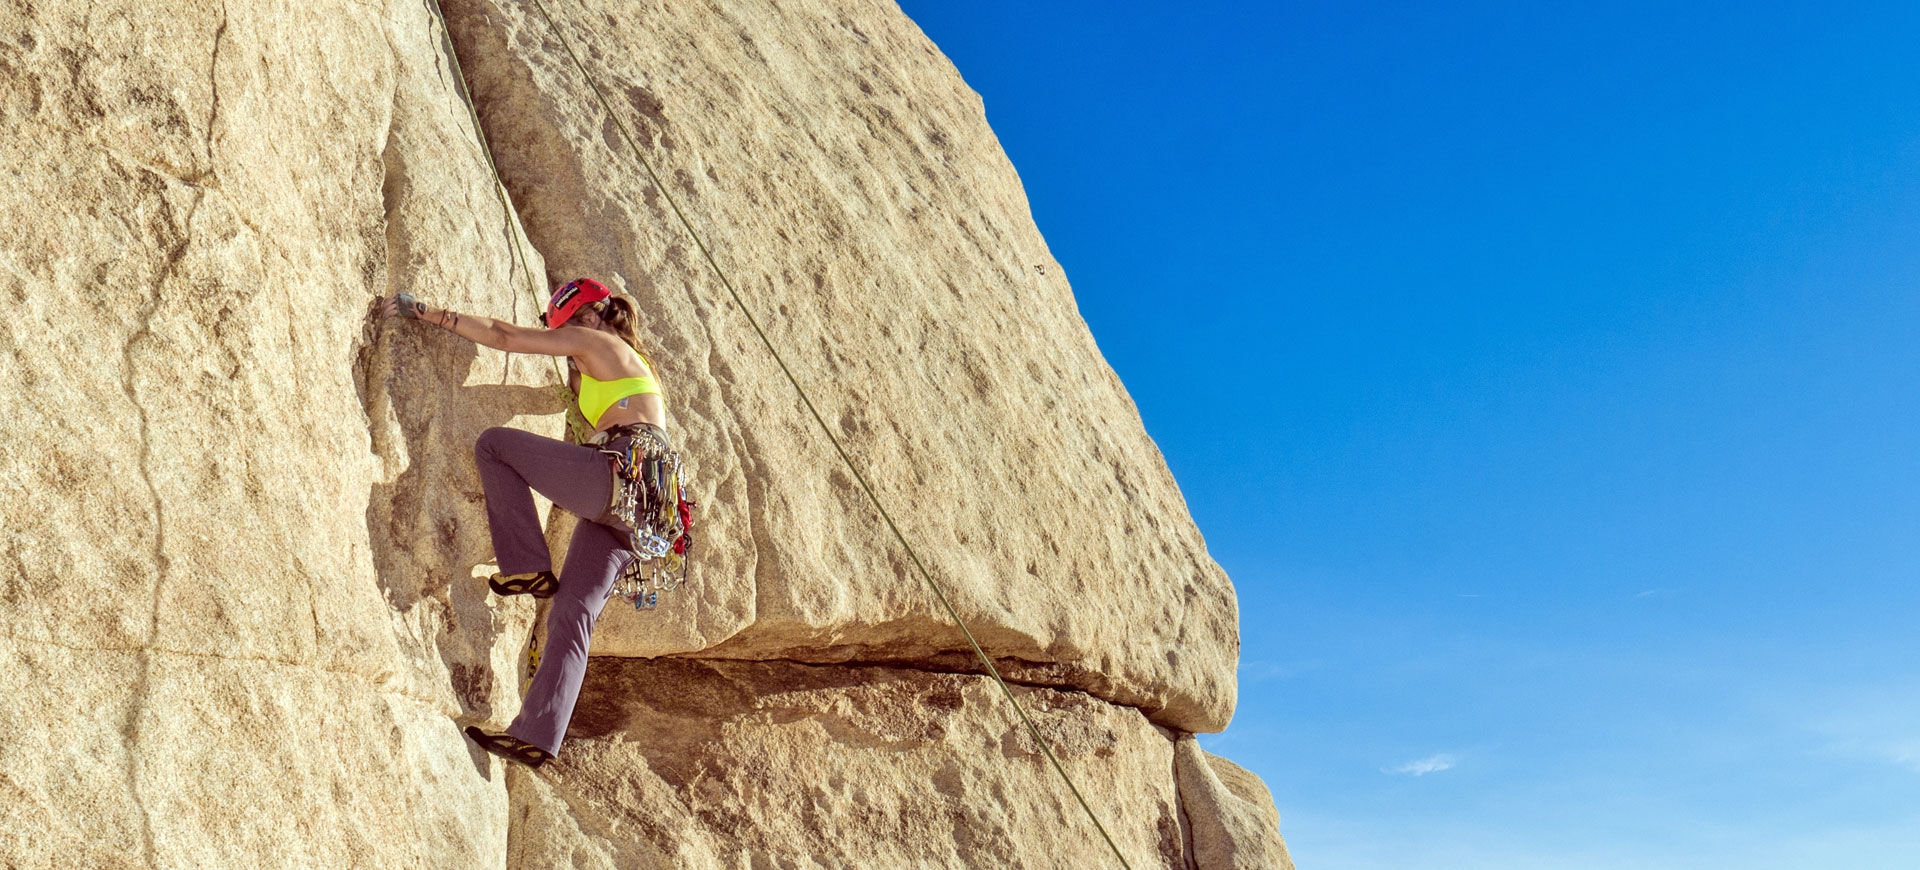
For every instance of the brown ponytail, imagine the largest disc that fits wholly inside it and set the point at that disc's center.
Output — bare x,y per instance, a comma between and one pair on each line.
620,315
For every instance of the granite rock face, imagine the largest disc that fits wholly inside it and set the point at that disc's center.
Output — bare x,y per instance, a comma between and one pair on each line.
708,764
242,524
846,179
1235,825
218,649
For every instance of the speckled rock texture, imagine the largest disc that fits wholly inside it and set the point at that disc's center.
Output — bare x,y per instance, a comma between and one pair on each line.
1234,824
232,634
709,764
242,526
845,176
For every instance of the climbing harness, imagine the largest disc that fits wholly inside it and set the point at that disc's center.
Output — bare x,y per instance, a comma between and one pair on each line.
650,502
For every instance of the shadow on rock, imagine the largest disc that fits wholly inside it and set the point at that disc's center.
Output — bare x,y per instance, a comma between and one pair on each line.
426,514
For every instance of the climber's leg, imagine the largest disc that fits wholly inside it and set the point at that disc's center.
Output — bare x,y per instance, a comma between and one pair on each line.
513,464
594,559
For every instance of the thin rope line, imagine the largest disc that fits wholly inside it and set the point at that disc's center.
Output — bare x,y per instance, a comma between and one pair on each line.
925,575
519,259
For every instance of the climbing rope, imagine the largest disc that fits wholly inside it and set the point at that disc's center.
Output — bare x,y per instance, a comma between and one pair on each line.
925,575
520,262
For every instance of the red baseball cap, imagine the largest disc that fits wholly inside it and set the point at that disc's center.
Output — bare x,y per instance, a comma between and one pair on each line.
572,297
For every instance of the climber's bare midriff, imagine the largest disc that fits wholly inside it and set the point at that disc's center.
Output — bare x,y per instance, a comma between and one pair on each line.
646,408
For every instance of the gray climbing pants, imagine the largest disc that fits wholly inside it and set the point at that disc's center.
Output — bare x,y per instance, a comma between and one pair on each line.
513,465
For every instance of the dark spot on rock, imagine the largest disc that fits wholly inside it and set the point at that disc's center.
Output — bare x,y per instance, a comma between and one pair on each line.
944,695
610,134
469,684
646,104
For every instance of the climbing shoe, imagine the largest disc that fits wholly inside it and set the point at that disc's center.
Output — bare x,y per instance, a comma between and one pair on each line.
509,747
539,584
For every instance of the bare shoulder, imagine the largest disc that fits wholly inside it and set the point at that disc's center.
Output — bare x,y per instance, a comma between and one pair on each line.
602,356
565,341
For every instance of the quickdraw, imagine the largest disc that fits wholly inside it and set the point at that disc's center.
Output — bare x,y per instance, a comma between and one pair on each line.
651,500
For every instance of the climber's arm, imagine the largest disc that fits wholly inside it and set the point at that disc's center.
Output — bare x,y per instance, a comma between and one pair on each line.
496,334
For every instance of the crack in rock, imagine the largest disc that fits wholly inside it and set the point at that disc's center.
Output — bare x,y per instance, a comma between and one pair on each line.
176,252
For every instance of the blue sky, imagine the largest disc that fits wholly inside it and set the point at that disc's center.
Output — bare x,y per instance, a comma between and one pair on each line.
1545,377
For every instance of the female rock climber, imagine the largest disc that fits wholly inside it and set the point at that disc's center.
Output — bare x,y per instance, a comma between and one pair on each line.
620,398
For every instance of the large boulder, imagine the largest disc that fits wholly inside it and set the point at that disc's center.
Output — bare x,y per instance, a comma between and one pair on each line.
242,525
846,180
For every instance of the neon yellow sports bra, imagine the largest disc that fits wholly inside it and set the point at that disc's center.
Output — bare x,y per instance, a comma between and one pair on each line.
597,396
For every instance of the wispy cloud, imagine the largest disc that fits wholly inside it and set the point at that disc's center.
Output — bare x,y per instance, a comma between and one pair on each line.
1424,766
1877,723
1900,753
1655,593
1904,753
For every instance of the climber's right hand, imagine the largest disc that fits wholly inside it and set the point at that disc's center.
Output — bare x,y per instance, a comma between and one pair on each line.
403,305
